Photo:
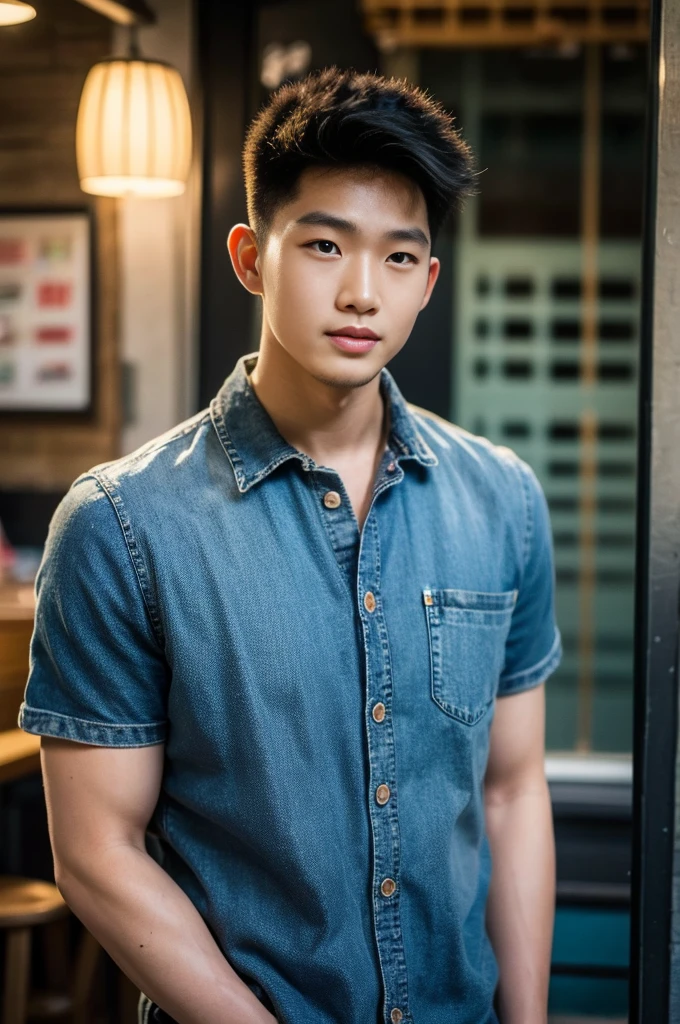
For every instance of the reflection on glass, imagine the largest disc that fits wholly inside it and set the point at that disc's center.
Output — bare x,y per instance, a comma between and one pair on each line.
546,353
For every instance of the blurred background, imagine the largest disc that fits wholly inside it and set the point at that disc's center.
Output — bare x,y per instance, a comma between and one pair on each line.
532,337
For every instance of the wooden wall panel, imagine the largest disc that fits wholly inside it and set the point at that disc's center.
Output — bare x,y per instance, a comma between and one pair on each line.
43,66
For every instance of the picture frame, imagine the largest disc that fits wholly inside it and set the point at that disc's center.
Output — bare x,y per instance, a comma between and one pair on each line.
46,311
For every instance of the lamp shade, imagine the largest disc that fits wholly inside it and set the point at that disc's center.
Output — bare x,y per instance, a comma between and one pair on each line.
133,136
14,12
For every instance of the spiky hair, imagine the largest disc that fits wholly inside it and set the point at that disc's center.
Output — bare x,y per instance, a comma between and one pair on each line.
344,118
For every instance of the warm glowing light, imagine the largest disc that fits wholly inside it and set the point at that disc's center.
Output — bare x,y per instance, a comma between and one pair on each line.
14,12
133,136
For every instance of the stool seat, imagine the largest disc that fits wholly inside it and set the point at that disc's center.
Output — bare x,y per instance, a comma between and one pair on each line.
25,903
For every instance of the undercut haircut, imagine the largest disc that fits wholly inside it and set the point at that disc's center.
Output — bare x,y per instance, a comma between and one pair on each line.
338,118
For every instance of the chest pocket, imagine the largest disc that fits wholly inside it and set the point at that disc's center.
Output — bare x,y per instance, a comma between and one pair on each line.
467,631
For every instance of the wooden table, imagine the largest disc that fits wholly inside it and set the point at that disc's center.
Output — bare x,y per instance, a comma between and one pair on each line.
19,751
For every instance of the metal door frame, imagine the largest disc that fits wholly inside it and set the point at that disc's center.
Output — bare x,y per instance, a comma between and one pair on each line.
658,551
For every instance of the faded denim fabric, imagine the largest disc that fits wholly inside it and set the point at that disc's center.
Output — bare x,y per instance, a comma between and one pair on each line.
207,592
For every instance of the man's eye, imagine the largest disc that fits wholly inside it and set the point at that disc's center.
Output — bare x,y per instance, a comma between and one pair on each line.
402,258
324,242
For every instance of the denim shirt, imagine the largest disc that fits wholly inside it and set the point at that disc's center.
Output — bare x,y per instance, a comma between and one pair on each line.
324,694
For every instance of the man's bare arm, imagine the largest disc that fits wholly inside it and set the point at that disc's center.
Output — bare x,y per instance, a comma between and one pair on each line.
521,906
99,802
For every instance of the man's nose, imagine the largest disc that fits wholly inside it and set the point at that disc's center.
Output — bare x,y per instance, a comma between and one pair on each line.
360,287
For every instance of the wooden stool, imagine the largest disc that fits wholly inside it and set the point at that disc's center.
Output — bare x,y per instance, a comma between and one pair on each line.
25,904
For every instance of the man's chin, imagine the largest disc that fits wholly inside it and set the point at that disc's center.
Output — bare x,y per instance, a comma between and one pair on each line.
345,373
345,381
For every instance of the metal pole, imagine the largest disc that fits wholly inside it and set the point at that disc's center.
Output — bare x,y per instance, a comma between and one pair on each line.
653,997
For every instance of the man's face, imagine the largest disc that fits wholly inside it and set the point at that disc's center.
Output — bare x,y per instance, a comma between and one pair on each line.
351,251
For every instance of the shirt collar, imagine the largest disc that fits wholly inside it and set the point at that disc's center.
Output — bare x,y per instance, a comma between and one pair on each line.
255,447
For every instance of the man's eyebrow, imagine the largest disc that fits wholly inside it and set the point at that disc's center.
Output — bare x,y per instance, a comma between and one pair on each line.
414,235
329,220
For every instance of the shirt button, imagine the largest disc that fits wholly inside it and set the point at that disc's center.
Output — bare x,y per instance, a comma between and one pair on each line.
388,886
378,711
396,1015
391,466
369,602
382,794
332,499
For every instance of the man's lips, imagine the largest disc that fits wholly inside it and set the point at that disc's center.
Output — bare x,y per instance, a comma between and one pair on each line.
356,345
355,332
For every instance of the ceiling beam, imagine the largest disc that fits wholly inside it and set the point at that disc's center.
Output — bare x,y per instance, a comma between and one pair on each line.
123,12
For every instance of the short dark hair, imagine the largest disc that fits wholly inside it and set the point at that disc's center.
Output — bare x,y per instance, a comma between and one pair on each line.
344,118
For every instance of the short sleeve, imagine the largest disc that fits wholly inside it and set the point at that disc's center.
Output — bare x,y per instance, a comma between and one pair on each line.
97,673
533,649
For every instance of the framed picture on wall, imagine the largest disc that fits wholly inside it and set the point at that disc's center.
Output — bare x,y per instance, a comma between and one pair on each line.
45,310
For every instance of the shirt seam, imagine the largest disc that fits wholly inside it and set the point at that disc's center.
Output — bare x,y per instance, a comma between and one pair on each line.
528,511
41,722
30,710
134,553
148,449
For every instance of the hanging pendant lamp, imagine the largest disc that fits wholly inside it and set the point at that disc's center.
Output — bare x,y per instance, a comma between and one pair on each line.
133,135
14,12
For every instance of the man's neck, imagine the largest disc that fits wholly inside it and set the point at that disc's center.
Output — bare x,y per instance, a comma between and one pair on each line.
332,425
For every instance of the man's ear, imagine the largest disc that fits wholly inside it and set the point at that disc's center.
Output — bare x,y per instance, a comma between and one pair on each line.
245,258
433,274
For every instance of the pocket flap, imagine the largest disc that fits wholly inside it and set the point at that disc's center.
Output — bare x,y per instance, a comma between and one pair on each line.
475,600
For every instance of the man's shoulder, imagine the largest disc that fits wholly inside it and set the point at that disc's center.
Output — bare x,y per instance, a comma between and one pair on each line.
494,478
150,463
165,468
160,475
453,444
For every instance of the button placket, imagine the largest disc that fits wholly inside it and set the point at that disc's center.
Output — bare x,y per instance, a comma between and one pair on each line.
338,519
383,796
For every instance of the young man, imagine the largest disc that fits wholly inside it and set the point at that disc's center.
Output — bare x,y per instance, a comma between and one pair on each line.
274,637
